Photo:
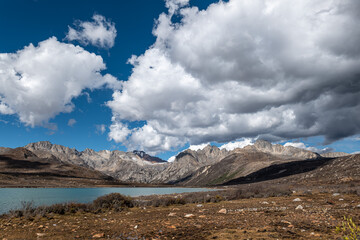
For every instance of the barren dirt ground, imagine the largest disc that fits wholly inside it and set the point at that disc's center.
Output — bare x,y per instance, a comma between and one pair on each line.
257,218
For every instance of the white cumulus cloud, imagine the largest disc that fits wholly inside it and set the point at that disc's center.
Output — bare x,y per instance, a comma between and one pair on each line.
100,32
237,144
39,82
244,69
198,147
309,148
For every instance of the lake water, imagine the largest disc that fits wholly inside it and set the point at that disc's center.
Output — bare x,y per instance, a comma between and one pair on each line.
11,198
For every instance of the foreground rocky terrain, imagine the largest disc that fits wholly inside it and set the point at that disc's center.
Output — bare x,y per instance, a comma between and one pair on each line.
312,215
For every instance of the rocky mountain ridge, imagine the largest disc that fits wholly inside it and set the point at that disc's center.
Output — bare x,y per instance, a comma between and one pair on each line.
207,166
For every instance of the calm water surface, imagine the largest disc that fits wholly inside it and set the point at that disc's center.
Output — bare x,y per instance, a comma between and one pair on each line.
11,198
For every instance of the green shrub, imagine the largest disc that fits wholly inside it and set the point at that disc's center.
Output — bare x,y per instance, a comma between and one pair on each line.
112,201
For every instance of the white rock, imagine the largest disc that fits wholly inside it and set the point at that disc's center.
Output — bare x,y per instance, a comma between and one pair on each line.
336,194
199,205
297,200
223,210
299,207
189,215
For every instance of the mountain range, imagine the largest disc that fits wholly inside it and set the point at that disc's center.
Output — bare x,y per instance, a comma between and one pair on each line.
204,167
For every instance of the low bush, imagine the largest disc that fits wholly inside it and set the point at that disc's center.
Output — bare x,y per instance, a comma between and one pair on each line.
113,201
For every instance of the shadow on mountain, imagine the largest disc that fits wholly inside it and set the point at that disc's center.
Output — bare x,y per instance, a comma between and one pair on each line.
280,171
12,163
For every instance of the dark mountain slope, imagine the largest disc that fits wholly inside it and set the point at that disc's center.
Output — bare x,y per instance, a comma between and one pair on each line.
21,168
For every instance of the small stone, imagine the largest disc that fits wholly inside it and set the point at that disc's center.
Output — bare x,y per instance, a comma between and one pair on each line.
199,205
189,215
202,216
41,226
136,226
172,214
287,222
299,207
336,194
223,210
40,234
297,200
98,235
341,199
358,206
290,226
265,203
172,227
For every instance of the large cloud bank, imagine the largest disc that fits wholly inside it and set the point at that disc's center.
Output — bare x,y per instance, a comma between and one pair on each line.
245,68
39,82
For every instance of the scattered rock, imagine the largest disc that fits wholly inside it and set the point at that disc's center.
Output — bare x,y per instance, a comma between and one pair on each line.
265,203
136,226
299,207
199,205
40,234
189,215
297,200
202,216
172,214
287,222
358,206
336,194
172,227
223,210
341,199
98,235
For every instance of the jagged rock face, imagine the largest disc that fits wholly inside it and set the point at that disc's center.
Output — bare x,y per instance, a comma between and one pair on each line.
189,167
147,157
280,150
188,162
125,166
334,154
45,149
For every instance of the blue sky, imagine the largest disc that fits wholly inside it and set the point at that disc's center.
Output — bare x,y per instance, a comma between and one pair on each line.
198,75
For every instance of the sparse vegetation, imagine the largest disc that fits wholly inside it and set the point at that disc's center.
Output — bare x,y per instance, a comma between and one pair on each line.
113,201
348,229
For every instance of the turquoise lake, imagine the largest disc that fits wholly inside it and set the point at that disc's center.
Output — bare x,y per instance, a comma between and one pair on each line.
12,198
